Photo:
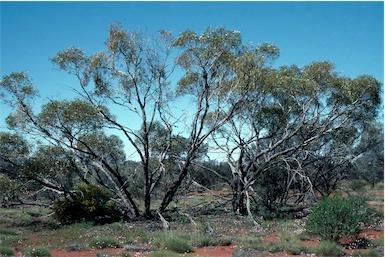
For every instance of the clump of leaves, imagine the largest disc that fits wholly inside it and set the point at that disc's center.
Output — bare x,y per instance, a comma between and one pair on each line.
87,203
104,242
328,248
333,217
38,252
6,251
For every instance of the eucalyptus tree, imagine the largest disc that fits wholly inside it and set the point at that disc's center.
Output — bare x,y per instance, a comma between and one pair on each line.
209,81
286,111
130,77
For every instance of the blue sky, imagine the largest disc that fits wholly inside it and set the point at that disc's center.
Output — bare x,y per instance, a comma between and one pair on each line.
349,34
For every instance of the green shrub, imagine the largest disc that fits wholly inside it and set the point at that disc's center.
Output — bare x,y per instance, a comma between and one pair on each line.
271,188
5,251
172,242
291,244
38,252
104,242
333,217
178,245
87,203
328,249
202,241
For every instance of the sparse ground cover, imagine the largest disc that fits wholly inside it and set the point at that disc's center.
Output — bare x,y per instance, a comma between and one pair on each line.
216,232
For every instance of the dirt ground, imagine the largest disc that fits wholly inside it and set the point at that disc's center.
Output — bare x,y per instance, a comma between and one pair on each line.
218,251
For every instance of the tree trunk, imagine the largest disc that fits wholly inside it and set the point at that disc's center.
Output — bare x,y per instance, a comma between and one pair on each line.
238,201
175,186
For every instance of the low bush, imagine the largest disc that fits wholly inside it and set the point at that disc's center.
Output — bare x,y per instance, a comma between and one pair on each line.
6,251
87,203
38,252
328,249
291,244
104,242
333,217
172,242
178,245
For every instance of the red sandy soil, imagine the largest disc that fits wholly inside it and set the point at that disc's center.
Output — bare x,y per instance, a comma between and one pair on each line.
219,251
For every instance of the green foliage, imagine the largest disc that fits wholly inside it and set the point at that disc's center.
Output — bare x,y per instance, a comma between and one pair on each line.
125,255
38,252
104,242
328,249
172,242
70,117
87,203
271,187
6,251
337,216
291,244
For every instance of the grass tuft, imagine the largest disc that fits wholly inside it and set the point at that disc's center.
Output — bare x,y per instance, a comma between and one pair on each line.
328,248
173,242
